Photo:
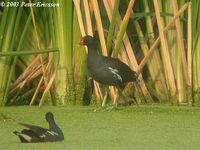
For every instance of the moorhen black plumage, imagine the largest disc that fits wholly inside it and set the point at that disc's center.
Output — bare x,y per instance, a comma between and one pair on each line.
106,70
34,134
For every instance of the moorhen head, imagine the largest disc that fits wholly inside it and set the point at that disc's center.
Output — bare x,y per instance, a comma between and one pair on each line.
87,40
34,134
106,70
49,117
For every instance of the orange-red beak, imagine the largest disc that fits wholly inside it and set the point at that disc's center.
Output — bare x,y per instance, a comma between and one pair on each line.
82,42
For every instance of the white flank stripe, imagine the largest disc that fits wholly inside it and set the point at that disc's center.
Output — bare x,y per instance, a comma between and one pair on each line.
115,72
43,136
48,132
52,133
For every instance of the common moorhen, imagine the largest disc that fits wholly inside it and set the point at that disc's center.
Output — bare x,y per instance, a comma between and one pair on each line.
36,134
106,70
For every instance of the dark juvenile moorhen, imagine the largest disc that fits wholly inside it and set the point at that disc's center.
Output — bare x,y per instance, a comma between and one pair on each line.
36,134
106,70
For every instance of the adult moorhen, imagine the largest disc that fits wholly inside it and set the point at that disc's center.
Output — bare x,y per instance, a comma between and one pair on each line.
106,70
36,134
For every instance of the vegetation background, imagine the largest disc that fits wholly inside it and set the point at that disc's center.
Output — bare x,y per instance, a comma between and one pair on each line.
41,61
42,64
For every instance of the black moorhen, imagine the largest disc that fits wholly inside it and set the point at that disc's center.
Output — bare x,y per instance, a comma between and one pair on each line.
106,70
36,134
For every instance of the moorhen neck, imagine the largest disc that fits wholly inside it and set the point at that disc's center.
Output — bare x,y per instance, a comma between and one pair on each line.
34,134
106,70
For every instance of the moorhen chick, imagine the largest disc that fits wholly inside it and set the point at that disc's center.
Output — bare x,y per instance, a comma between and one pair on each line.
34,134
106,70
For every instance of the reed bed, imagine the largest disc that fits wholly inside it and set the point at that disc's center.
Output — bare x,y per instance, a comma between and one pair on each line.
41,61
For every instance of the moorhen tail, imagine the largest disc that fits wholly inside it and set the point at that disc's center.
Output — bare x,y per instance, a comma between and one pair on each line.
106,70
34,134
